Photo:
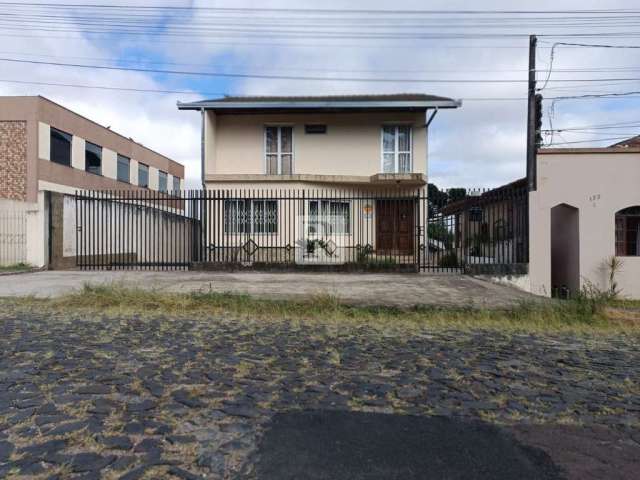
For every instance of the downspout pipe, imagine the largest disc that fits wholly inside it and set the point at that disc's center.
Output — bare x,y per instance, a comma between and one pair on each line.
203,113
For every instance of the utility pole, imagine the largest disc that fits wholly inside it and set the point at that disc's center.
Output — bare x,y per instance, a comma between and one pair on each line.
532,144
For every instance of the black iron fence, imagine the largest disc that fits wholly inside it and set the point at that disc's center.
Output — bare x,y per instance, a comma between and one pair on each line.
396,229
137,229
479,230
341,229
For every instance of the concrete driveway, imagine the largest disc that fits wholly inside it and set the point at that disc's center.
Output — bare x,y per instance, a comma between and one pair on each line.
399,290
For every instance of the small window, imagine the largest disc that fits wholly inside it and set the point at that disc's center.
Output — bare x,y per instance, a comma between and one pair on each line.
628,232
475,214
176,184
251,216
143,175
60,148
123,168
315,129
93,158
162,181
396,149
279,150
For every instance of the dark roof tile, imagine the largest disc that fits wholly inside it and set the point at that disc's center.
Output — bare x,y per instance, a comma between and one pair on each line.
396,97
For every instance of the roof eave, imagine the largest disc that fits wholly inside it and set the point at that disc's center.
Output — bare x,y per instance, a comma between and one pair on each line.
319,105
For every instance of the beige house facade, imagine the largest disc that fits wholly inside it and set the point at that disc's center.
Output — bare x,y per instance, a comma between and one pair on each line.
47,149
319,160
585,210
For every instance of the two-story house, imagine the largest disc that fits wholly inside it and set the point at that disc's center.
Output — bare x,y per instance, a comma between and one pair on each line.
315,172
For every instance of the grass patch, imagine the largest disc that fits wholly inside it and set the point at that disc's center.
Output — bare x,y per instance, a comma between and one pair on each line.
116,300
16,267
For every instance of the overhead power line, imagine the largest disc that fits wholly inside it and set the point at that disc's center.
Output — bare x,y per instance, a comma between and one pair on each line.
221,94
307,68
305,78
104,87
611,139
318,10
596,45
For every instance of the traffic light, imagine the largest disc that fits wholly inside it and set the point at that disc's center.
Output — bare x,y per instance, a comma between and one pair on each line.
538,124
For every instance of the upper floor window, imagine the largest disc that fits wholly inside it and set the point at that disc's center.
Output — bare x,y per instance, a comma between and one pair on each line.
162,181
143,175
93,158
396,149
279,150
60,151
176,184
628,232
123,168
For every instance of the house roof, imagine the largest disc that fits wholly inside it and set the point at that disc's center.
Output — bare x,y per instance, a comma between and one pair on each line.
400,101
489,196
633,142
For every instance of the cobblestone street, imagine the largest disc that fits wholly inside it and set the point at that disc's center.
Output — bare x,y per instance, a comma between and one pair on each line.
162,398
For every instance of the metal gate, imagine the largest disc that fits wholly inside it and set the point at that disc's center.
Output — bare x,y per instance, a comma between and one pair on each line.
479,231
137,229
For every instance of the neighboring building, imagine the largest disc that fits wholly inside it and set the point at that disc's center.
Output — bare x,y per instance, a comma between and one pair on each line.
322,149
45,147
586,209
488,227
633,142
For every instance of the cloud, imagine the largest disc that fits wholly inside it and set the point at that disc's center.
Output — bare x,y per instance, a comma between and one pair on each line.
481,144
150,119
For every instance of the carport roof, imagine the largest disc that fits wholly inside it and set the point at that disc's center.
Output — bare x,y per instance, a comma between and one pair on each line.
400,101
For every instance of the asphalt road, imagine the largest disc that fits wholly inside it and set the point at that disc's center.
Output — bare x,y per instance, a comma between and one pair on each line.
355,445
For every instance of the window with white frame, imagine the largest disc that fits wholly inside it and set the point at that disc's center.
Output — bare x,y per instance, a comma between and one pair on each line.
327,217
250,216
396,149
278,150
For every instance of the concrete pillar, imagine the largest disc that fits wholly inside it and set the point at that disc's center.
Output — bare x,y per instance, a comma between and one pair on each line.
44,141
109,163
133,172
77,153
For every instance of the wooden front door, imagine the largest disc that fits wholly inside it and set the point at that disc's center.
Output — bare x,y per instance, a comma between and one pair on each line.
395,227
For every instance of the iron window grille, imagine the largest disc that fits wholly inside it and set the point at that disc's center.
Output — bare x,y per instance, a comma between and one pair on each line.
250,216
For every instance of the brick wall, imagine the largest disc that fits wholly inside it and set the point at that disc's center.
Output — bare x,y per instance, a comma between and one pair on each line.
13,160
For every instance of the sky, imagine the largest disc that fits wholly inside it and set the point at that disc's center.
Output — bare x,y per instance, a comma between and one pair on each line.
482,144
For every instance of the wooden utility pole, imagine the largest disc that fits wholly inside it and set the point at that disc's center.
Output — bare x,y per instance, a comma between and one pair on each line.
532,146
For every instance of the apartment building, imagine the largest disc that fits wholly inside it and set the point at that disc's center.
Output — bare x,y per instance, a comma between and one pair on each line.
45,148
